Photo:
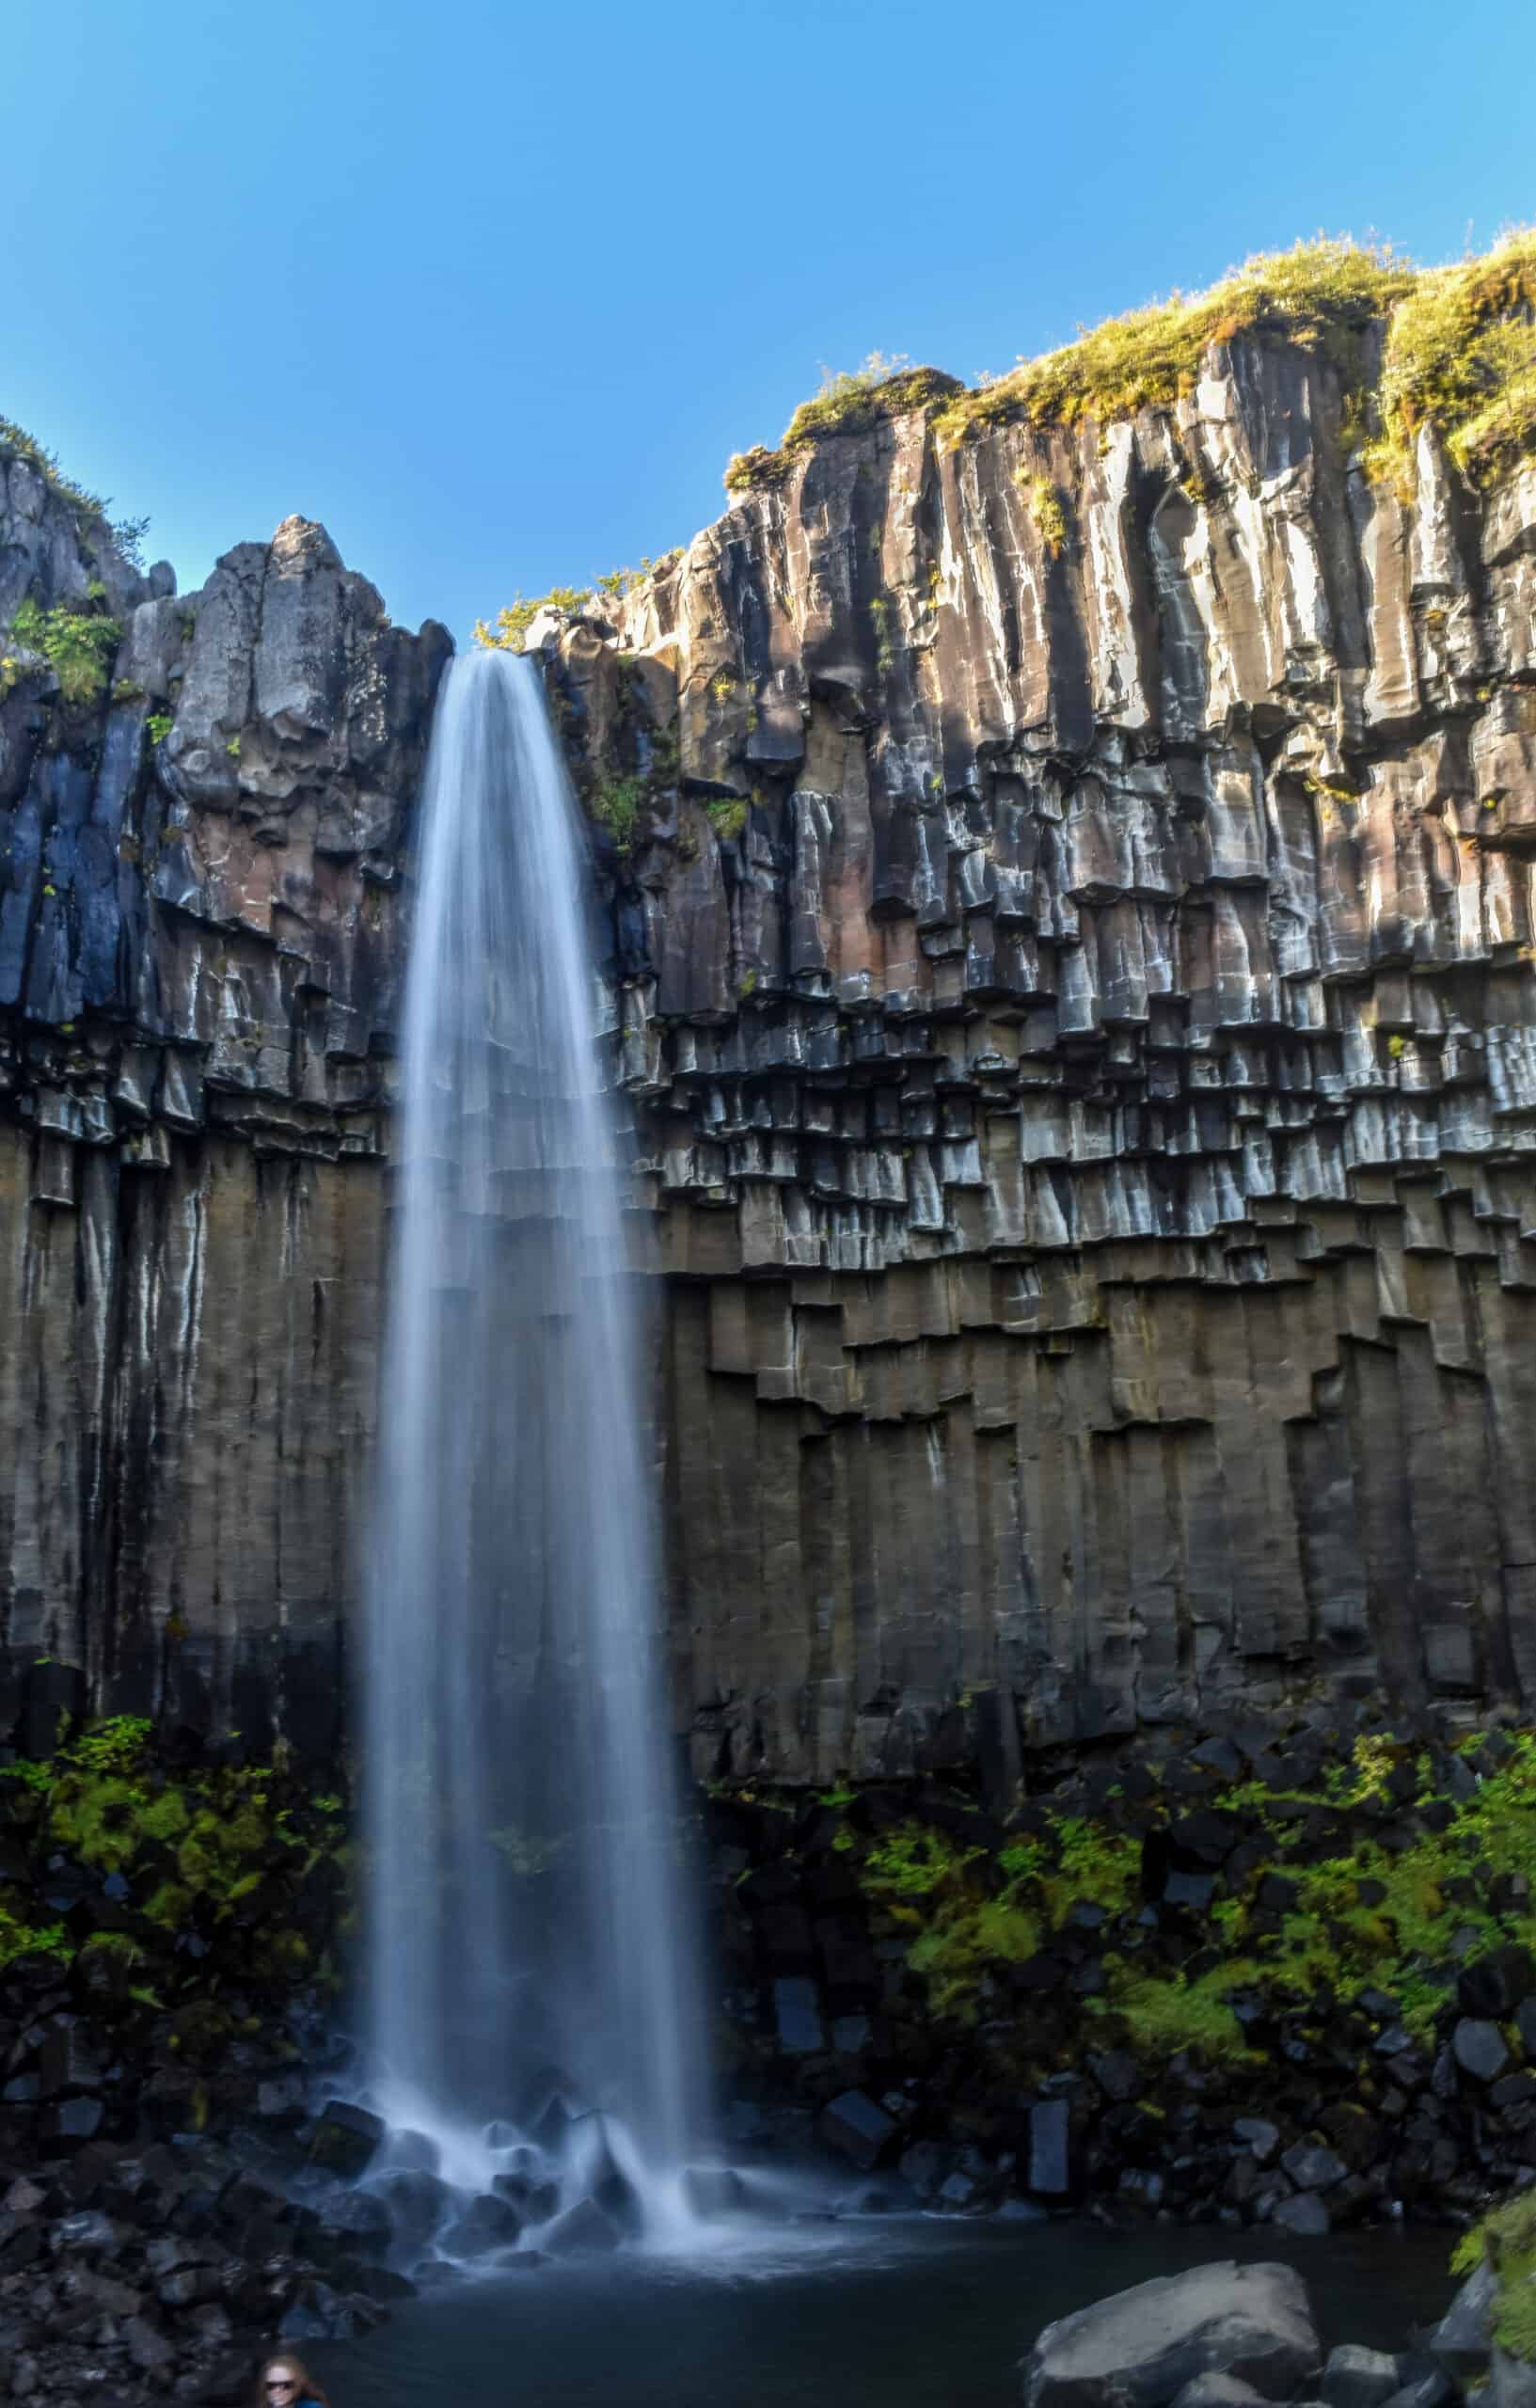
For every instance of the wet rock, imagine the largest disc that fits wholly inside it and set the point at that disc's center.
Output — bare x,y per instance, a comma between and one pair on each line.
347,2139
1260,2138
416,2204
859,2130
1305,2214
1479,2049
1356,2377
579,2230
1464,2338
1312,2168
1141,2347
1496,1984
1216,2391
1050,2157
487,2222
714,2190
798,2016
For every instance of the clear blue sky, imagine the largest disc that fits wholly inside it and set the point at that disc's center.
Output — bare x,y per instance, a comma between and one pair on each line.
493,289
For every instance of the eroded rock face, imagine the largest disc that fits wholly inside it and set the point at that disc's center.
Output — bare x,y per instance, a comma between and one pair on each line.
1072,982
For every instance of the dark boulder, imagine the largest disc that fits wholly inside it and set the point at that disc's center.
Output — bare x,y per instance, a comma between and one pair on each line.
859,2130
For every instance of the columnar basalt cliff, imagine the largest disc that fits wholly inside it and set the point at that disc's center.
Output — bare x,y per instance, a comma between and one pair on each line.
1070,891
201,950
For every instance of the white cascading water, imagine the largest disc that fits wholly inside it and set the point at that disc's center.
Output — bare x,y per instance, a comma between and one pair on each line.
531,1981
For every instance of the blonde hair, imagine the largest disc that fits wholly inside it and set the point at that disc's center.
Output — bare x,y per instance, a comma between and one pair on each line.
308,2387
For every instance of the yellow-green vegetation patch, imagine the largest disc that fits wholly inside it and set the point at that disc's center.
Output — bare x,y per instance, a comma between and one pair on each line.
848,402
201,1843
727,818
79,644
1460,355
616,805
1164,2013
1323,295
1401,1919
1460,352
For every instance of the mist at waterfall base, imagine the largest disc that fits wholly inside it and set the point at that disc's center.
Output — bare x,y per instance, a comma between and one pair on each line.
534,2028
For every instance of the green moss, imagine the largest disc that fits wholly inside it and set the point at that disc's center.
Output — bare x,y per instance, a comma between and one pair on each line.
1506,2240
21,1938
912,1862
1098,1864
953,1956
79,644
728,819
1164,2013
158,726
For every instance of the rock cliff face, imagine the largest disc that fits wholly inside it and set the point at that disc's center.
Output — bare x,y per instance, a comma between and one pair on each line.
201,950
1082,1010
1071,964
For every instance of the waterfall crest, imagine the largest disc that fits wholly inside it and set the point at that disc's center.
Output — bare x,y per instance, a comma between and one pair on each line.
530,1964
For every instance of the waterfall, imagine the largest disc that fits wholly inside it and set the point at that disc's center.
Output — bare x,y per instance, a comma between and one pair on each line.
532,1984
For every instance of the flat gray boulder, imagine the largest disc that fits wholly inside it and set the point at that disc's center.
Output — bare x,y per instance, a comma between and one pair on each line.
1140,2349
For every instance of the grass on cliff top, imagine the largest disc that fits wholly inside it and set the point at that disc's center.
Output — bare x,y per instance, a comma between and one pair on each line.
1461,354
88,509
849,399
1461,351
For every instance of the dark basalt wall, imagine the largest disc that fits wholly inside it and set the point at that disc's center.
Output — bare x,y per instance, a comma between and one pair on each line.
1073,985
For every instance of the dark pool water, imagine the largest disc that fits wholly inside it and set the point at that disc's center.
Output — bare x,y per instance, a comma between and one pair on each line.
920,2314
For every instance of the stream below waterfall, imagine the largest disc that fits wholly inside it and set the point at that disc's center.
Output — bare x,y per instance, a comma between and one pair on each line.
900,2313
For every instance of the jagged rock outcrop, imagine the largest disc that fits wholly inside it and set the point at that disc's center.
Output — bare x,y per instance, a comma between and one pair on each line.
1070,898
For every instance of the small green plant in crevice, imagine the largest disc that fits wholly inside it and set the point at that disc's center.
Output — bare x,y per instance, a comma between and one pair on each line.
508,632
728,818
158,726
1045,508
616,805
879,613
78,644
232,748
